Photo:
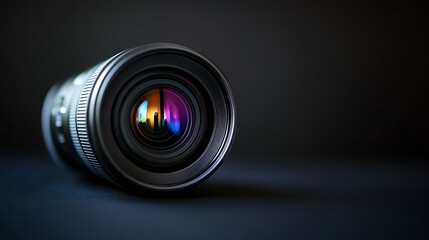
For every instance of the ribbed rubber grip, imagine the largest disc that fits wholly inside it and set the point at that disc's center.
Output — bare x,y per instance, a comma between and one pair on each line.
78,119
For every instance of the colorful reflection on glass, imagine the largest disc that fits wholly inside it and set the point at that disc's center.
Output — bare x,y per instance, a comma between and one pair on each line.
163,109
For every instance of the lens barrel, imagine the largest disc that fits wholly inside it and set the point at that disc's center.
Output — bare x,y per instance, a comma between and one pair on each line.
156,117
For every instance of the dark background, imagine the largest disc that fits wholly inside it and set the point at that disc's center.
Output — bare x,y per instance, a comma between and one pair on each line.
309,78
333,124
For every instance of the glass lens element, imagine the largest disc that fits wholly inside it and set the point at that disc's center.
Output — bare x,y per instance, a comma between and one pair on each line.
162,116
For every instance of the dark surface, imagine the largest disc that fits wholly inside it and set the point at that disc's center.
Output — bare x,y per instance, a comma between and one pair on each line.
296,198
338,77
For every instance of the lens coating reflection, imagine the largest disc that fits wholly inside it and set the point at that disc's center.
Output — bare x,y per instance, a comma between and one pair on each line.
162,114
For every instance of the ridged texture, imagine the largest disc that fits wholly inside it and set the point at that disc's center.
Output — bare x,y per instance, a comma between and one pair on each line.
79,126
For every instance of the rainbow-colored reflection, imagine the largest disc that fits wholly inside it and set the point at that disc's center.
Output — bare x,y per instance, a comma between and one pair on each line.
161,109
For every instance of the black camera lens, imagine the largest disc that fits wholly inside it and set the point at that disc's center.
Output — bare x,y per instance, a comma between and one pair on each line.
156,117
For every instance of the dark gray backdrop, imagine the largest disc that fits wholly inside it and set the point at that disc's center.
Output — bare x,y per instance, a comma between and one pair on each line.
309,78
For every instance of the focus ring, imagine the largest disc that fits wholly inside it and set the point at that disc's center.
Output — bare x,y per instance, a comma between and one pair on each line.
79,117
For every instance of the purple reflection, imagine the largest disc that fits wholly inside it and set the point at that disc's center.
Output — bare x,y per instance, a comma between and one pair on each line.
175,110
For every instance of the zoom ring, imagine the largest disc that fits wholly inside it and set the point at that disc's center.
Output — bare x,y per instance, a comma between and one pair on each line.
79,134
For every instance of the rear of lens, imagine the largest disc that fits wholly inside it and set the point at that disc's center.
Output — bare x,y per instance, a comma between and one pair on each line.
158,117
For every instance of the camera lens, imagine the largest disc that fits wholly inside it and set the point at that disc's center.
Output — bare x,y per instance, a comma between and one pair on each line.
157,117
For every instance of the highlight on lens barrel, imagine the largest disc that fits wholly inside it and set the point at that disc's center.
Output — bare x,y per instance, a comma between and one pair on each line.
156,117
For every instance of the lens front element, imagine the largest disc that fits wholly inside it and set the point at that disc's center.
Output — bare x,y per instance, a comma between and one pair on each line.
162,117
